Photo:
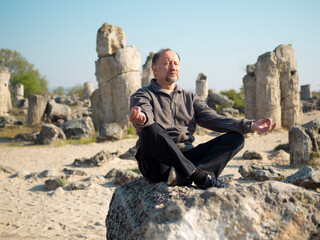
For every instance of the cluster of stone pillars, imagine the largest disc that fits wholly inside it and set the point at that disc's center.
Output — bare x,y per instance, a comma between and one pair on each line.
272,88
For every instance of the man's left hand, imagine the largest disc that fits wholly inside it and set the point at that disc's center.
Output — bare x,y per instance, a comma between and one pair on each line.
263,125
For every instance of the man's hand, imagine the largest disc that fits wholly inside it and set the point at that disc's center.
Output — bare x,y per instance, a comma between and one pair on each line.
263,125
136,116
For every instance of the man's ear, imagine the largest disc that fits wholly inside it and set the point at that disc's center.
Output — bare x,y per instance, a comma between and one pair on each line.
154,69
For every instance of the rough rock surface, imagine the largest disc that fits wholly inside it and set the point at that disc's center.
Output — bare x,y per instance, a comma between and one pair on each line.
55,111
88,89
130,154
272,88
259,173
215,98
306,177
117,72
268,210
147,73
300,146
202,86
110,38
36,109
79,128
50,133
110,131
96,161
251,155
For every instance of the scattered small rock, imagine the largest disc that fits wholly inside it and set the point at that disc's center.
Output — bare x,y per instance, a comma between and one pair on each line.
96,161
124,176
259,173
252,155
80,185
306,177
51,184
70,172
48,173
130,154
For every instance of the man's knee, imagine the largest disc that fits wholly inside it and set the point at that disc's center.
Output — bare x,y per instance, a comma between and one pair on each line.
236,139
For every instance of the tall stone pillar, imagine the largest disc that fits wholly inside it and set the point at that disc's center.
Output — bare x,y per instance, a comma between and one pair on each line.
306,93
202,86
5,99
272,88
18,92
88,89
147,73
118,76
36,109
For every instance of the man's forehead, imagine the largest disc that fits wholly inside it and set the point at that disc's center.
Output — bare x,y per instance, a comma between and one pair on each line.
169,55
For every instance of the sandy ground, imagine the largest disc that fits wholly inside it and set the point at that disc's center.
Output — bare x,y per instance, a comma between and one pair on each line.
29,211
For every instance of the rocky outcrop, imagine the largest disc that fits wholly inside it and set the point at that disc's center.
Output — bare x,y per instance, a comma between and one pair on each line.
56,111
259,173
117,72
50,133
36,109
268,210
301,145
79,128
147,73
202,86
306,177
215,98
111,131
272,88
4,91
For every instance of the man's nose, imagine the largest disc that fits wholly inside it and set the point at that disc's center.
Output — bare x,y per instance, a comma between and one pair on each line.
173,66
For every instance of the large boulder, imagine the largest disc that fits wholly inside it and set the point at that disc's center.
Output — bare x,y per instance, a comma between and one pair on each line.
215,98
88,89
79,128
50,133
300,146
268,210
57,111
111,131
259,173
305,177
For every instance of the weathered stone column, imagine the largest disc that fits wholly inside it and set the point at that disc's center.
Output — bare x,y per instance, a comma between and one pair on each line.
289,84
267,88
88,89
37,106
147,73
117,72
306,93
18,92
4,91
249,85
202,86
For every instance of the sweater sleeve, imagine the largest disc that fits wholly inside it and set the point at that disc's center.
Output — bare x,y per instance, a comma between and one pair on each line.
142,99
208,118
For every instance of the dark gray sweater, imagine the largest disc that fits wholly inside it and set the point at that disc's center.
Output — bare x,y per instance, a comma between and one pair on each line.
179,112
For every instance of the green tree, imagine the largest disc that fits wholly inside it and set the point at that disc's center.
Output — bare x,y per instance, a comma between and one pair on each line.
23,72
78,90
59,91
237,97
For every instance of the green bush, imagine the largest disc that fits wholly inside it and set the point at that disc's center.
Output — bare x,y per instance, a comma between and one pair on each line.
237,97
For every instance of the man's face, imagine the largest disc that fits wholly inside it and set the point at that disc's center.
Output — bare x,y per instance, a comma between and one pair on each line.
167,67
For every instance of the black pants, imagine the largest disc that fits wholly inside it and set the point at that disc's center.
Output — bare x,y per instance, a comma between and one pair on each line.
158,153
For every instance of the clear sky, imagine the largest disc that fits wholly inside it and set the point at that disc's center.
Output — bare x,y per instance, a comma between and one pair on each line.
217,38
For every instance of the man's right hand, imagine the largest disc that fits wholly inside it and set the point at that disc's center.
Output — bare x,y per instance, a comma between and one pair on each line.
136,116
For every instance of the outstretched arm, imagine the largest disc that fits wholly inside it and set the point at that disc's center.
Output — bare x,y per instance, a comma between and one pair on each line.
263,125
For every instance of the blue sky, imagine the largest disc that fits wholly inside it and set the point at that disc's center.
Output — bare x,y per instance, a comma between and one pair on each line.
217,38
